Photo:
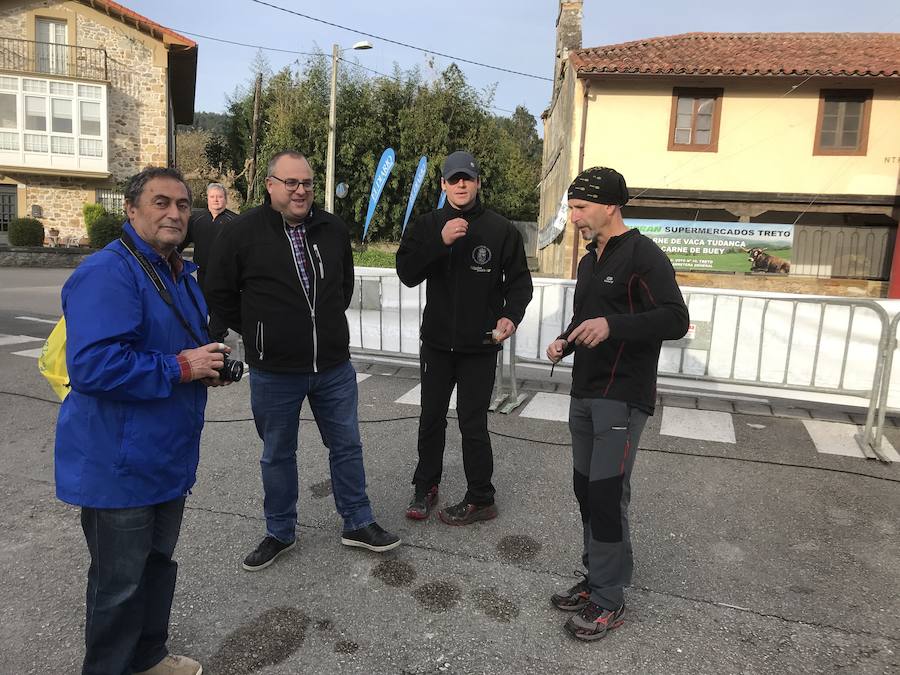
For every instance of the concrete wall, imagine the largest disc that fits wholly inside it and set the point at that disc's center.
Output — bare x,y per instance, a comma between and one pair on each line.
765,138
559,166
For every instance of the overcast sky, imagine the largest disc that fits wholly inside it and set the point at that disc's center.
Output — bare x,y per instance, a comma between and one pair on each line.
513,34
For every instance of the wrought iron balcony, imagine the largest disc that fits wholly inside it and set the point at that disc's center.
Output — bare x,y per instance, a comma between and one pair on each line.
46,58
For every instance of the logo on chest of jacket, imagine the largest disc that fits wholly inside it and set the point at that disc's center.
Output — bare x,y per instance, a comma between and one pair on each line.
481,255
609,280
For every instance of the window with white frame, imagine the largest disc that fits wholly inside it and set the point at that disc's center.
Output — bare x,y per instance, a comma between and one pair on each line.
60,119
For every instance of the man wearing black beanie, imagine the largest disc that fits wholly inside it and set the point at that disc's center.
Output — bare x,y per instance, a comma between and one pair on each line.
626,303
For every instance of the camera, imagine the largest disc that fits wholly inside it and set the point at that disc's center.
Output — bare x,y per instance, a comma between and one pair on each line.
232,370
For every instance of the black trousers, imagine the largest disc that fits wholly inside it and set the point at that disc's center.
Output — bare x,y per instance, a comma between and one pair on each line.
473,375
217,328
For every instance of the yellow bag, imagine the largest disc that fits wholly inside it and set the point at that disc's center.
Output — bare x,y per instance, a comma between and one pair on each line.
52,361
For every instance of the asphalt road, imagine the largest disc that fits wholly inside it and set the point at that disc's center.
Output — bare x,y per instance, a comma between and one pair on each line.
761,555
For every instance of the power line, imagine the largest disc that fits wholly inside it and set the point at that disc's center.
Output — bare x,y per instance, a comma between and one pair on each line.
401,44
291,51
245,44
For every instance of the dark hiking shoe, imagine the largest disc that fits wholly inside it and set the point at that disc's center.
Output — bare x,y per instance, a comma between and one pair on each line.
466,514
594,622
373,537
265,554
574,599
422,503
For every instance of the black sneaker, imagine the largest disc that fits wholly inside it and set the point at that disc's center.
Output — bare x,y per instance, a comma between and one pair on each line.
594,622
422,503
265,554
373,537
574,599
466,514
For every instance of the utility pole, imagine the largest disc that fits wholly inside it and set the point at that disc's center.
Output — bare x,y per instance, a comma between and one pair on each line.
251,172
332,121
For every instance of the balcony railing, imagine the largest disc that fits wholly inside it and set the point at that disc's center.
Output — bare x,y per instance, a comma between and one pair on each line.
46,58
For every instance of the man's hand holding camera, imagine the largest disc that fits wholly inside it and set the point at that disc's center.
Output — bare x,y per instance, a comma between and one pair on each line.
207,363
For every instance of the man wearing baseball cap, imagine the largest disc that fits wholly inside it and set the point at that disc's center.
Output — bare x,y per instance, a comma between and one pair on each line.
478,288
626,303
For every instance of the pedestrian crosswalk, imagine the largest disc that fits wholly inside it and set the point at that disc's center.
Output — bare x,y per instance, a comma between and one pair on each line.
832,438
835,438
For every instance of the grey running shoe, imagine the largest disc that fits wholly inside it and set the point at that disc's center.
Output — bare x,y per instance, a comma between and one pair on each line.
594,622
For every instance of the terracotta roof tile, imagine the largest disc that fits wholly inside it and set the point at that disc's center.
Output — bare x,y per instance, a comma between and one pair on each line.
749,54
168,35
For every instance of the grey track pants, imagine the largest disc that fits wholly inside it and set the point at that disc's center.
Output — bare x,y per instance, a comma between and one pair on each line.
605,436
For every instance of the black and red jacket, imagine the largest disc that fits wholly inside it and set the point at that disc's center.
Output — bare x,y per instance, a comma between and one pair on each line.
632,285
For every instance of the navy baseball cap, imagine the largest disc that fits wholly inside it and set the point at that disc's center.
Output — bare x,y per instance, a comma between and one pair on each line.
460,162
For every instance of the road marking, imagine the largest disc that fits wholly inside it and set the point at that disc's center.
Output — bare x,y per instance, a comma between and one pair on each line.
30,353
361,376
414,397
837,438
34,318
544,406
702,425
17,339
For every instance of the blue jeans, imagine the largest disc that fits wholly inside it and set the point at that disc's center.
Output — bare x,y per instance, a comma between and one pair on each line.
131,582
276,399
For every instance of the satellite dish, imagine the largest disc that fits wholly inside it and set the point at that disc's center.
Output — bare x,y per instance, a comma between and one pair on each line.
341,190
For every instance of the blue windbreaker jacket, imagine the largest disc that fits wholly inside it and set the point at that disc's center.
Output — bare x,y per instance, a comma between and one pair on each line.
128,433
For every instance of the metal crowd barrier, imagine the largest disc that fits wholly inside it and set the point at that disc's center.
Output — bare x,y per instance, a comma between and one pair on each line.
825,345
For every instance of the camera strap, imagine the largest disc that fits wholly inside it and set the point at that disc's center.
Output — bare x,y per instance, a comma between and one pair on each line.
157,282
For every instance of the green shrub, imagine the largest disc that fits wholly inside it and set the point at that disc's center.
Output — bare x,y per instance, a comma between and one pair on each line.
26,232
104,230
92,213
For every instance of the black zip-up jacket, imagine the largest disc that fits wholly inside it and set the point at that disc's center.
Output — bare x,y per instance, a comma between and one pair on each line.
254,286
483,276
203,230
633,286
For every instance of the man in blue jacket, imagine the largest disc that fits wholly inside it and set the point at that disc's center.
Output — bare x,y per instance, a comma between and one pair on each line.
128,433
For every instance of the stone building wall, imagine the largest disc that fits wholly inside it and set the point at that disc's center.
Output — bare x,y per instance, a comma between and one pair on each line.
137,108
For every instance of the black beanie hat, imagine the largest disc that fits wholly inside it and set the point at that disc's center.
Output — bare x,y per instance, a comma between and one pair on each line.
600,184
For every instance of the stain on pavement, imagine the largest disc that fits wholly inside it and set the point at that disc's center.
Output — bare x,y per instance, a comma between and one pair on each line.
518,548
267,640
395,572
438,596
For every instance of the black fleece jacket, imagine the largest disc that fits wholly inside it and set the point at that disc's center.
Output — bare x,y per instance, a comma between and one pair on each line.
482,277
633,286
254,285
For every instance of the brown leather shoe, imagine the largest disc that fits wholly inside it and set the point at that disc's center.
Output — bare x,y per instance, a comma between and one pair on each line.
174,665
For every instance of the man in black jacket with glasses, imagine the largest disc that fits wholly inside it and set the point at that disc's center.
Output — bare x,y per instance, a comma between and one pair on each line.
478,288
282,276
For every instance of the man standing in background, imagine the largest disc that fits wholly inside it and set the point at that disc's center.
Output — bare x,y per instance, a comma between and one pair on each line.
203,230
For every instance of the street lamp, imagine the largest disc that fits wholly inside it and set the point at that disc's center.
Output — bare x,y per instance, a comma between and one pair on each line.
332,119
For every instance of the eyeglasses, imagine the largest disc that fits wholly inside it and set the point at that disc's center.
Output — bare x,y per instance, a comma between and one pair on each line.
292,184
455,178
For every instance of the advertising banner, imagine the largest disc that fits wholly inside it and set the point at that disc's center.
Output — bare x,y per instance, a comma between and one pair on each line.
715,246
385,164
418,179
